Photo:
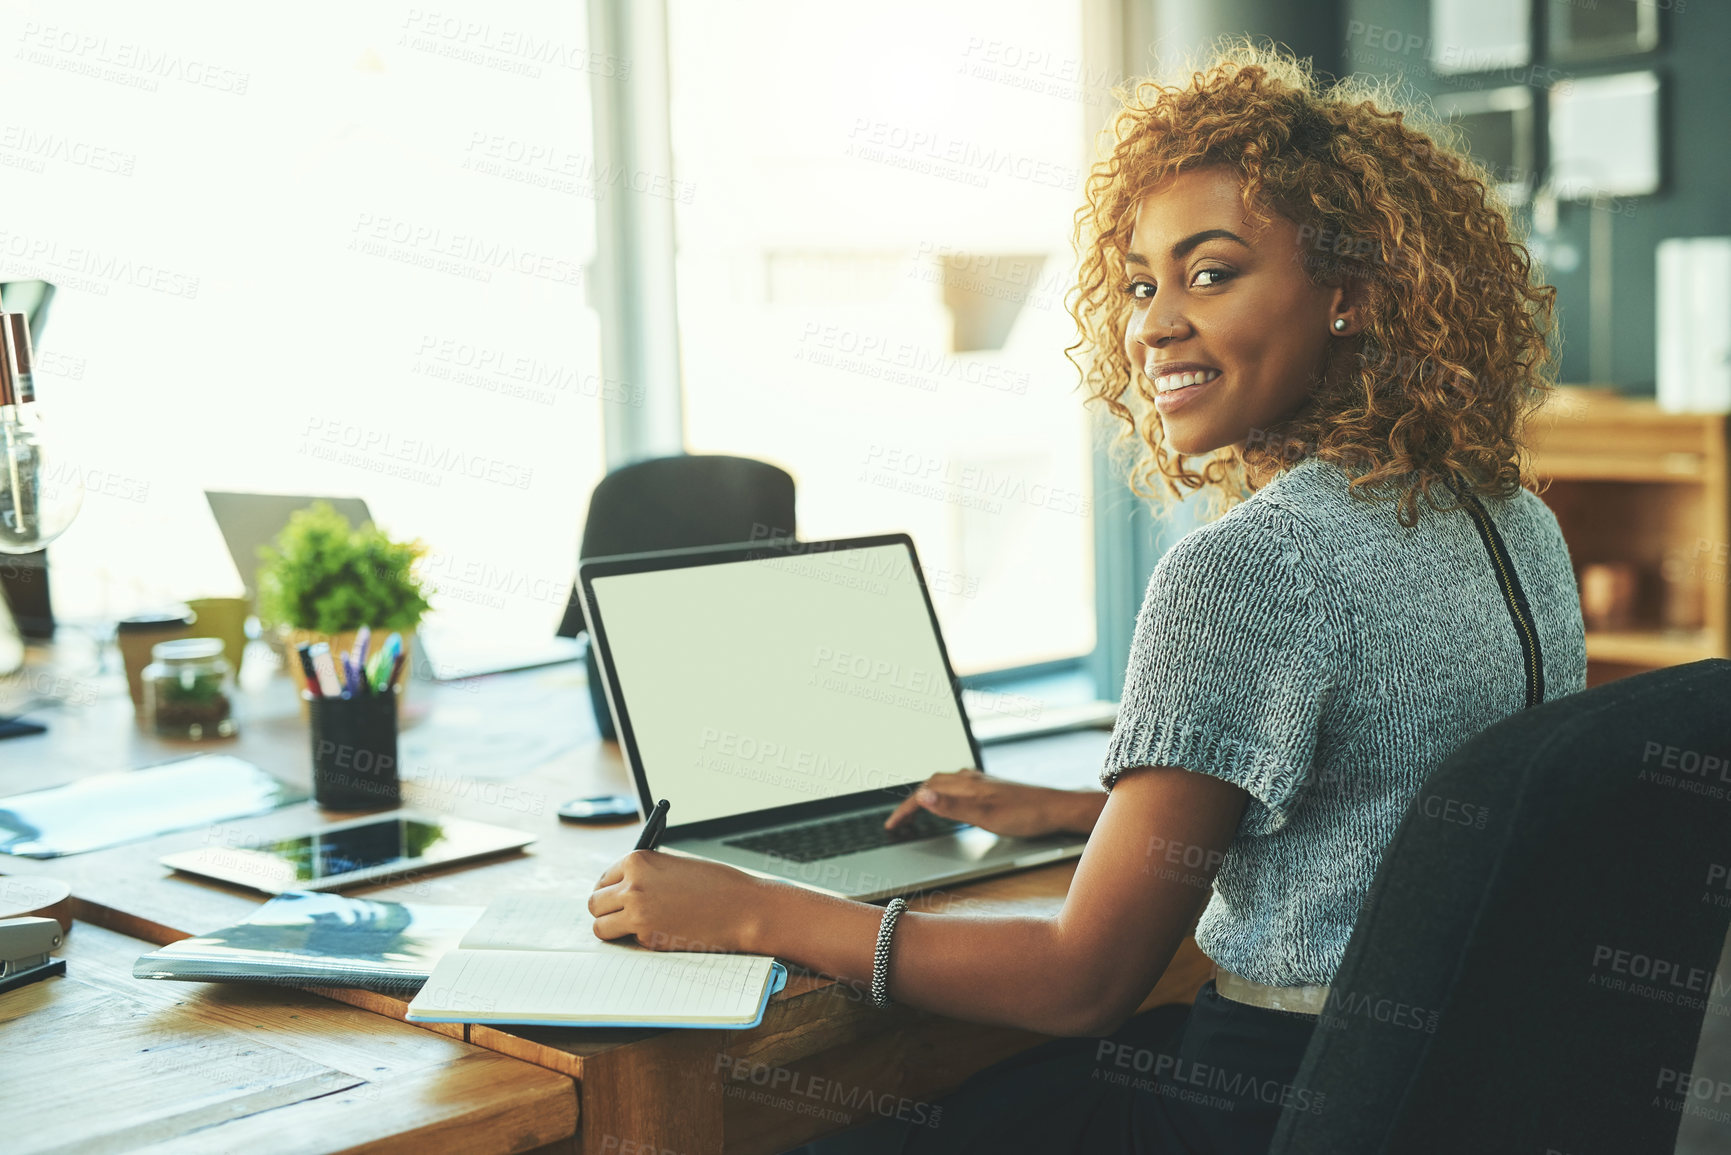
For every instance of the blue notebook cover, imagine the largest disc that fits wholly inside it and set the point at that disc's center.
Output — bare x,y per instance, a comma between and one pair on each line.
777,980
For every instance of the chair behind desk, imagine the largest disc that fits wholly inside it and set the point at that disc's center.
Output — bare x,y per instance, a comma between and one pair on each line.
1531,967
680,502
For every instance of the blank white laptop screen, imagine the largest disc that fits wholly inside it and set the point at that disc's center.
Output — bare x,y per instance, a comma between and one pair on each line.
770,682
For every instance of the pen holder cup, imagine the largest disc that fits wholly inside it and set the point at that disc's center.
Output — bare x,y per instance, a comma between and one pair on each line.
341,643
355,751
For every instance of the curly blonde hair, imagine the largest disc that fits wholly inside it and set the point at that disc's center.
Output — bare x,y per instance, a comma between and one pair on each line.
1453,359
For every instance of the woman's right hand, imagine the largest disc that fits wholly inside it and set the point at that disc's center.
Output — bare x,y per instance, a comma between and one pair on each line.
1001,806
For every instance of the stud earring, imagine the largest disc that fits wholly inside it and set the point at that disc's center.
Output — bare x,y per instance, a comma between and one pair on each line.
1340,324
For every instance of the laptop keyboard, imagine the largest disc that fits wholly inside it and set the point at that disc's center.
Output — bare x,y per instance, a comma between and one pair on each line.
848,834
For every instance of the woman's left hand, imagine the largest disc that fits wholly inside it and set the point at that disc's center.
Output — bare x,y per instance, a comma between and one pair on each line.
671,902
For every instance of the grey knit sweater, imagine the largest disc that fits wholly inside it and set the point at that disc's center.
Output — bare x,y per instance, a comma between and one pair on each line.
1310,649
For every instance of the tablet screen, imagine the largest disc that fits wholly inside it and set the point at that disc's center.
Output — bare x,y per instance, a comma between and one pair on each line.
344,851
389,846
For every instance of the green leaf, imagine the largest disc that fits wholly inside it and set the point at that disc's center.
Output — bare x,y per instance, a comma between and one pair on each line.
324,575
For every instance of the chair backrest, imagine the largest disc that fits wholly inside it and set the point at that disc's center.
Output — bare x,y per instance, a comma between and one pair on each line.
676,503
679,502
1532,966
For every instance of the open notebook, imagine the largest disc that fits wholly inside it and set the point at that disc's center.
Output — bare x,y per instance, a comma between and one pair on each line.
534,959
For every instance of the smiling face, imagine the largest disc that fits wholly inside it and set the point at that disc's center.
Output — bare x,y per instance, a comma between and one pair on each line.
1227,301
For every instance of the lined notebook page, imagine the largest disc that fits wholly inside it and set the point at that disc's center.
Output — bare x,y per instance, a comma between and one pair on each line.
595,986
538,920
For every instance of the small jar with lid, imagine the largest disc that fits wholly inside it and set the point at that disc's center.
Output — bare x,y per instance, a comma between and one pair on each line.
188,688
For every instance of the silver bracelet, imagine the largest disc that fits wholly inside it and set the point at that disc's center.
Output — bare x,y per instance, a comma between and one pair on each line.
881,958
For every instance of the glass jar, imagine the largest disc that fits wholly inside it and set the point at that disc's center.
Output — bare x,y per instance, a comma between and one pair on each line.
187,689
137,636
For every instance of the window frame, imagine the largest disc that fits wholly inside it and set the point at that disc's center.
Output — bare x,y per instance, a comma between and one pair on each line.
640,327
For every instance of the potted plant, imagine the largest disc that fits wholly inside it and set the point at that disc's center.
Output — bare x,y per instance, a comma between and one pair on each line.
324,579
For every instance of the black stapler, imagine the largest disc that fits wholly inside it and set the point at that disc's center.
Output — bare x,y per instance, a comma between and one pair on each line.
24,947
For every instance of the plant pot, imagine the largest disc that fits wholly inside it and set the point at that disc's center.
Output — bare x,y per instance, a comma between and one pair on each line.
341,644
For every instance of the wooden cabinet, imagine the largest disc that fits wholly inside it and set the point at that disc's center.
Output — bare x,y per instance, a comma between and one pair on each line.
1644,493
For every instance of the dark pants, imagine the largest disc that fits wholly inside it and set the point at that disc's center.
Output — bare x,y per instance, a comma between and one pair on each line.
1205,1080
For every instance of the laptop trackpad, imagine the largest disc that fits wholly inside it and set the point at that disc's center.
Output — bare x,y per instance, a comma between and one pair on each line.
969,845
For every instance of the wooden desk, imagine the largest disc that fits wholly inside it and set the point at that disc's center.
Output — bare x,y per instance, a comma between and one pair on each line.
695,1092
822,1060
96,1060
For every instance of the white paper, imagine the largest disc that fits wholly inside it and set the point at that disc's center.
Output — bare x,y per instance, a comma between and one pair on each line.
539,920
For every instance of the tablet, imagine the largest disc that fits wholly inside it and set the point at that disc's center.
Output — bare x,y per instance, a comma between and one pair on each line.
390,847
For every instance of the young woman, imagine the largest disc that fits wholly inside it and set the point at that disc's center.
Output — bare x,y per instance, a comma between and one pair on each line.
1322,304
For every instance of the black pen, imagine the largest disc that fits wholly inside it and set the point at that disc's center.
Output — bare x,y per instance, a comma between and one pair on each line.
652,829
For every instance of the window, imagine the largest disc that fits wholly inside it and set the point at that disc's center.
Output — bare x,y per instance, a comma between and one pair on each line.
313,255
873,254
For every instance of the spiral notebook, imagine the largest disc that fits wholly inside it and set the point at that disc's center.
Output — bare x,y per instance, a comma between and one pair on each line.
533,960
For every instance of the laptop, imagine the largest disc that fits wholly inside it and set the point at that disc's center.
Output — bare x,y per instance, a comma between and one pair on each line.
784,697
250,520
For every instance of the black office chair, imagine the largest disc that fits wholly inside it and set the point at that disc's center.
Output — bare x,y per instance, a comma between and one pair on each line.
677,503
1530,969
